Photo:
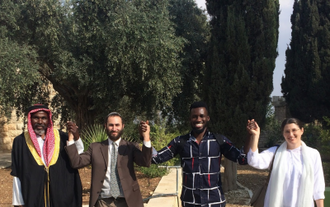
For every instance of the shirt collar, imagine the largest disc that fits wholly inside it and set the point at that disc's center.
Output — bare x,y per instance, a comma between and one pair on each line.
116,142
192,138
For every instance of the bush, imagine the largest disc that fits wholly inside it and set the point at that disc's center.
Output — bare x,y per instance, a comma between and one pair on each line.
153,171
97,133
159,139
131,132
93,133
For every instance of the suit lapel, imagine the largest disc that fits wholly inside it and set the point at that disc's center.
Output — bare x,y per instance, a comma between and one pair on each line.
104,151
121,149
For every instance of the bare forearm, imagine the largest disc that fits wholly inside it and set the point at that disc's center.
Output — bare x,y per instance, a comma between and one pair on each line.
319,203
254,140
254,131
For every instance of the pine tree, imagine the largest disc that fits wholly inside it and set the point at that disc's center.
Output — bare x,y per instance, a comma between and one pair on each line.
240,65
307,77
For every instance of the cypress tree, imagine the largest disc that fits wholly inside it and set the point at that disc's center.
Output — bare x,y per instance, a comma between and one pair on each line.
307,79
240,63
191,24
240,66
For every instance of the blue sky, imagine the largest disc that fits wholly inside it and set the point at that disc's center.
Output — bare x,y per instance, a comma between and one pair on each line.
284,40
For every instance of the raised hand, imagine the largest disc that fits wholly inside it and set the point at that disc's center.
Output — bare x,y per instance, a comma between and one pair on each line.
72,130
253,127
144,130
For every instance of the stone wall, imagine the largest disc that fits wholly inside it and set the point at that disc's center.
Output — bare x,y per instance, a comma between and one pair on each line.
13,127
9,130
281,110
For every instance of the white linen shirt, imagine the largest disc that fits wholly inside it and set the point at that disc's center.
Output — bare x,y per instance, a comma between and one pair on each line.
293,174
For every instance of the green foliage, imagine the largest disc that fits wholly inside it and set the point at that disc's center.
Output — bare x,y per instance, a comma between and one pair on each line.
159,139
93,133
240,65
153,171
191,24
99,55
20,83
131,132
318,136
307,78
97,133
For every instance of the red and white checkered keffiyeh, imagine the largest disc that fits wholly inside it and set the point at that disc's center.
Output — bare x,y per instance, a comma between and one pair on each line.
49,144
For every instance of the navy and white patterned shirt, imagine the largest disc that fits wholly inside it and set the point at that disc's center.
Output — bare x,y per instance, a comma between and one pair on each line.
201,181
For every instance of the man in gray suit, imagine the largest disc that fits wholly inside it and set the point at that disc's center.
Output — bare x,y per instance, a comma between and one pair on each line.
114,181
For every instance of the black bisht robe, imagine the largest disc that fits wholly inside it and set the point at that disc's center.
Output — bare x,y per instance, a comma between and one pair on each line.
65,185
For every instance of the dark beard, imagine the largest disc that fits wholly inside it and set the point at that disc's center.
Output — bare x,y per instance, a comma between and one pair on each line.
198,131
114,138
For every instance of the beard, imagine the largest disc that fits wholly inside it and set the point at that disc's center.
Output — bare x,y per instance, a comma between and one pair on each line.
40,132
114,138
198,131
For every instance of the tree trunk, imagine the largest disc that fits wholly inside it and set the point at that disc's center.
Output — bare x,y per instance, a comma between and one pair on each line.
84,116
230,176
84,119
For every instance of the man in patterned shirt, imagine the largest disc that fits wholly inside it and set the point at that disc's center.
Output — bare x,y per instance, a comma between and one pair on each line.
200,152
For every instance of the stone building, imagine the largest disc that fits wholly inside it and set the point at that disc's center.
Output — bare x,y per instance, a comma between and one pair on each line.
281,111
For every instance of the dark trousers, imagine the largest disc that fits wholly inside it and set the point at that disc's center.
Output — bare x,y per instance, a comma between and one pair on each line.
111,202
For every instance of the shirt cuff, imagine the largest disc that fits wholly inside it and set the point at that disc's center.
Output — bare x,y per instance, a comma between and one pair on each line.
68,143
147,144
79,145
251,154
319,195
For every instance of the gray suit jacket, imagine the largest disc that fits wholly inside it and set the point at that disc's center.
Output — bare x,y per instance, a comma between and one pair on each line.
97,156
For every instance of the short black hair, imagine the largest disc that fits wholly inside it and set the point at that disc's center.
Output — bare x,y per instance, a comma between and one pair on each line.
113,114
199,104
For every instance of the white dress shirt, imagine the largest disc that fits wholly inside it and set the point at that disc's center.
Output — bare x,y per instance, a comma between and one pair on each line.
105,191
